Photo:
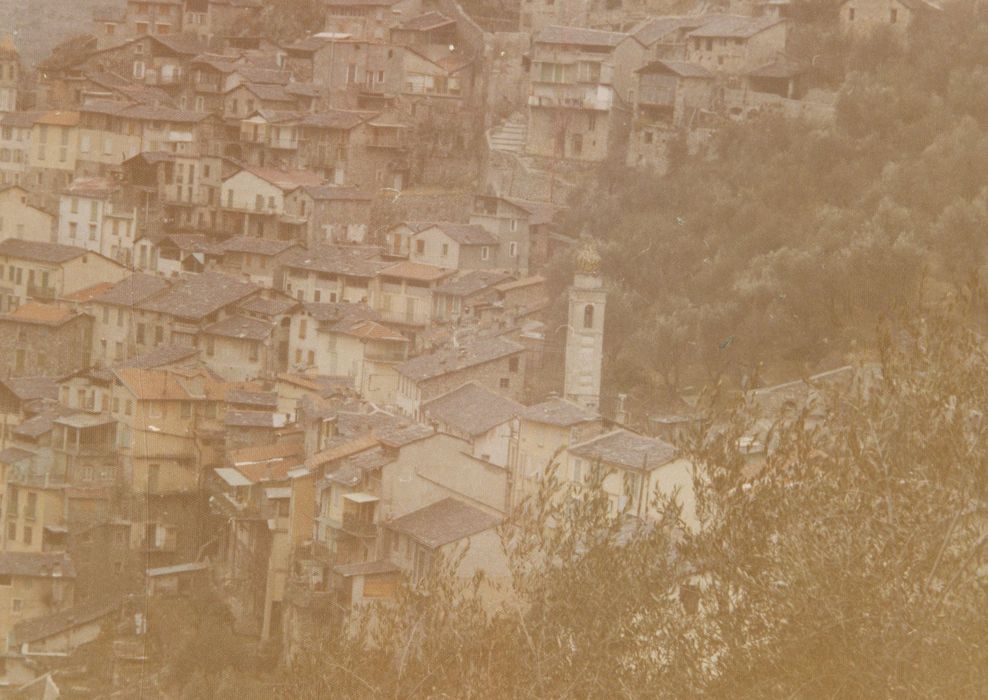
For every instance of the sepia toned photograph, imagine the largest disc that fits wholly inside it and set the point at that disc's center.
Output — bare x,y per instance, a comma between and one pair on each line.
493,349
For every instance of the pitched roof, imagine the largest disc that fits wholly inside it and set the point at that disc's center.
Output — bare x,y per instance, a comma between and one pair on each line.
466,234
478,352
779,68
255,246
132,290
472,409
31,388
578,36
409,270
152,384
89,293
160,356
286,179
683,69
36,564
40,252
200,295
366,329
627,450
334,192
335,119
45,314
259,454
443,522
472,282
355,262
427,22
247,397
241,327
39,628
651,30
735,26
559,412
268,307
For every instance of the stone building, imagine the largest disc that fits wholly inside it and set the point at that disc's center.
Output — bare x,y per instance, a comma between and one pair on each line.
862,17
41,339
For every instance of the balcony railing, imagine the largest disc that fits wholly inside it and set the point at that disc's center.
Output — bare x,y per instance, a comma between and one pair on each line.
596,97
358,527
39,292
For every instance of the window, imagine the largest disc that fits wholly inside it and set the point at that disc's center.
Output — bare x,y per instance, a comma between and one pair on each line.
28,534
420,247
16,604
588,316
186,409
647,137
128,407
73,229
252,352
139,69
12,530
578,474
513,364
302,329
505,383
485,253
445,249
513,249
893,15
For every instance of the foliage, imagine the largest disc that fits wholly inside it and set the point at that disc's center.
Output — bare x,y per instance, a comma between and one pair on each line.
777,250
851,565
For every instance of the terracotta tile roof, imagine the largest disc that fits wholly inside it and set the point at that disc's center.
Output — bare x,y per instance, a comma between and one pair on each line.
264,453
132,290
343,447
472,409
366,329
578,36
38,628
89,293
472,282
444,522
255,246
653,29
467,234
334,192
627,450
416,271
559,412
200,295
520,284
248,397
160,356
268,307
472,354
286,179
36,312
31,388
735,26
152,384
241,327
335,119
40,252
683,69
338,260
427,22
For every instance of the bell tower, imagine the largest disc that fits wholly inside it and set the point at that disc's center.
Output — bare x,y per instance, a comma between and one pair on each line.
585,330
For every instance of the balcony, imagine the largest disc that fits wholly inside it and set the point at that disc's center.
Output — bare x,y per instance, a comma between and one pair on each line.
284,143
595,97
37,292
358,526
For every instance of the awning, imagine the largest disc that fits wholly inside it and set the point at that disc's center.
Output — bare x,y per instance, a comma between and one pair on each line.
361,497
232,477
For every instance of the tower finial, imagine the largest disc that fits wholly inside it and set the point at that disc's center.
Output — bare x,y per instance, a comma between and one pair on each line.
587,258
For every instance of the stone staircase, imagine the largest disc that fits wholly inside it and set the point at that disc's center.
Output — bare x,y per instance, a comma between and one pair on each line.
510,135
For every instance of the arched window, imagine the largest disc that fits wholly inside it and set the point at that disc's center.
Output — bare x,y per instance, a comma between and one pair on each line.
588,316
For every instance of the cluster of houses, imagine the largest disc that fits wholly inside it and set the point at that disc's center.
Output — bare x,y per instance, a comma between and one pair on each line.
226,361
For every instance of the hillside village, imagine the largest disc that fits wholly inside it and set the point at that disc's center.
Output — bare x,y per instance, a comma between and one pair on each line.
273,315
